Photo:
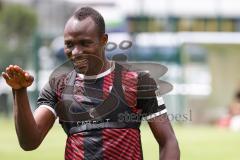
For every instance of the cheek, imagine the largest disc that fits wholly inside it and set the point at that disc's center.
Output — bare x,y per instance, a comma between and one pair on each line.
97,55
99,50
94,51
68,52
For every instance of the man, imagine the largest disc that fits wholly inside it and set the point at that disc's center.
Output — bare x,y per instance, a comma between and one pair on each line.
97,102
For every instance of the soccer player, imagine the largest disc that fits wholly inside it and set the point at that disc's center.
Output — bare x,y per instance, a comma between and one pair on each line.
99,103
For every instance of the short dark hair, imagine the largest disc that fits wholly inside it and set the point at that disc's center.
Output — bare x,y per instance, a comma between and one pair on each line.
85,12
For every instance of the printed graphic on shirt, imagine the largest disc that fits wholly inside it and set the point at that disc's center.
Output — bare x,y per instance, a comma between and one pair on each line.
113,130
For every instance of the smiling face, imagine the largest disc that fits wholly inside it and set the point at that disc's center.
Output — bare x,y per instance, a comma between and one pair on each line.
84,46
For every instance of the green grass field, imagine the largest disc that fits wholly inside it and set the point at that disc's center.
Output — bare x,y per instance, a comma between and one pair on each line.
196,143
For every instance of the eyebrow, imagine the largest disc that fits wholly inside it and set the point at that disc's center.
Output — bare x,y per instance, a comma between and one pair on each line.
82,39
67,39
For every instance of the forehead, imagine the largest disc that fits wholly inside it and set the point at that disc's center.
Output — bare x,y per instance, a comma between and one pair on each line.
85,27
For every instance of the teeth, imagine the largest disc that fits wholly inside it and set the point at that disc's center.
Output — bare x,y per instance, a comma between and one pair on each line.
80,63
80,60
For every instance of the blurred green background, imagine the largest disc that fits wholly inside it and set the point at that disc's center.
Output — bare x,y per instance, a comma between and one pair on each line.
196,143
198,41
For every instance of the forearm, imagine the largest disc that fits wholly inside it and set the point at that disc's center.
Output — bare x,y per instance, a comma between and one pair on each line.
169,150
26,127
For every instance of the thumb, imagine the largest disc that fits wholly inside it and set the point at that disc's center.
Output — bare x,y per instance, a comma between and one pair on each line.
29,78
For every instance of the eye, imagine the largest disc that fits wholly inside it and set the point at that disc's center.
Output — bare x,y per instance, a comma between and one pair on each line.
68,44
86,43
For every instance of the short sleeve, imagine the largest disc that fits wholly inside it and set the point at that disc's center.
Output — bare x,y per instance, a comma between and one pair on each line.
147,100
47,98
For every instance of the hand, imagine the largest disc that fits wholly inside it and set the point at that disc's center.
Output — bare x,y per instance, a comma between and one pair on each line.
17,78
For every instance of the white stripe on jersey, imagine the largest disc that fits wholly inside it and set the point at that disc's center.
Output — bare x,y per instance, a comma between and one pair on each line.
49,108
160,101
156,114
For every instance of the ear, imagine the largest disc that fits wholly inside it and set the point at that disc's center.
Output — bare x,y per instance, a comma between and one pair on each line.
104,39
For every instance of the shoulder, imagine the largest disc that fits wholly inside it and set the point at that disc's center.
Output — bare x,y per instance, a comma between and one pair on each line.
145,78
131,73
58,81
138,80
133,70
59,77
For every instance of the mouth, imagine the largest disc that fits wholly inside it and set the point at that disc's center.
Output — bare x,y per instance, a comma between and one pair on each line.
80,64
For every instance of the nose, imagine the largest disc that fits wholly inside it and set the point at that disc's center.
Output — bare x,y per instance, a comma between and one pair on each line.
77,51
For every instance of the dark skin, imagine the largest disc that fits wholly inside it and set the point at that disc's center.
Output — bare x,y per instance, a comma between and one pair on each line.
31,129
84,46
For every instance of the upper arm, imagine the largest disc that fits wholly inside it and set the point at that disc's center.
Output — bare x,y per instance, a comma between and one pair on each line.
164,134
45,114
147,100
155,112
162,129
44,119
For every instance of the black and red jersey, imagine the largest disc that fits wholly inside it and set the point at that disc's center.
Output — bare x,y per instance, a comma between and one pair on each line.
101,114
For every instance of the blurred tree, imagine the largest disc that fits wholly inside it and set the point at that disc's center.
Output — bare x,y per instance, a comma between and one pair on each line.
17,25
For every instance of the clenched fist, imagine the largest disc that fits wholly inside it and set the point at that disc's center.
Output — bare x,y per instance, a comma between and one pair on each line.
17,78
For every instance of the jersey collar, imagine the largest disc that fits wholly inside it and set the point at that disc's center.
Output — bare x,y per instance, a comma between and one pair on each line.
82,76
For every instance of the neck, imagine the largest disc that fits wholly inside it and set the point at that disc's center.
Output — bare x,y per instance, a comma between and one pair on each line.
106,65
97,68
